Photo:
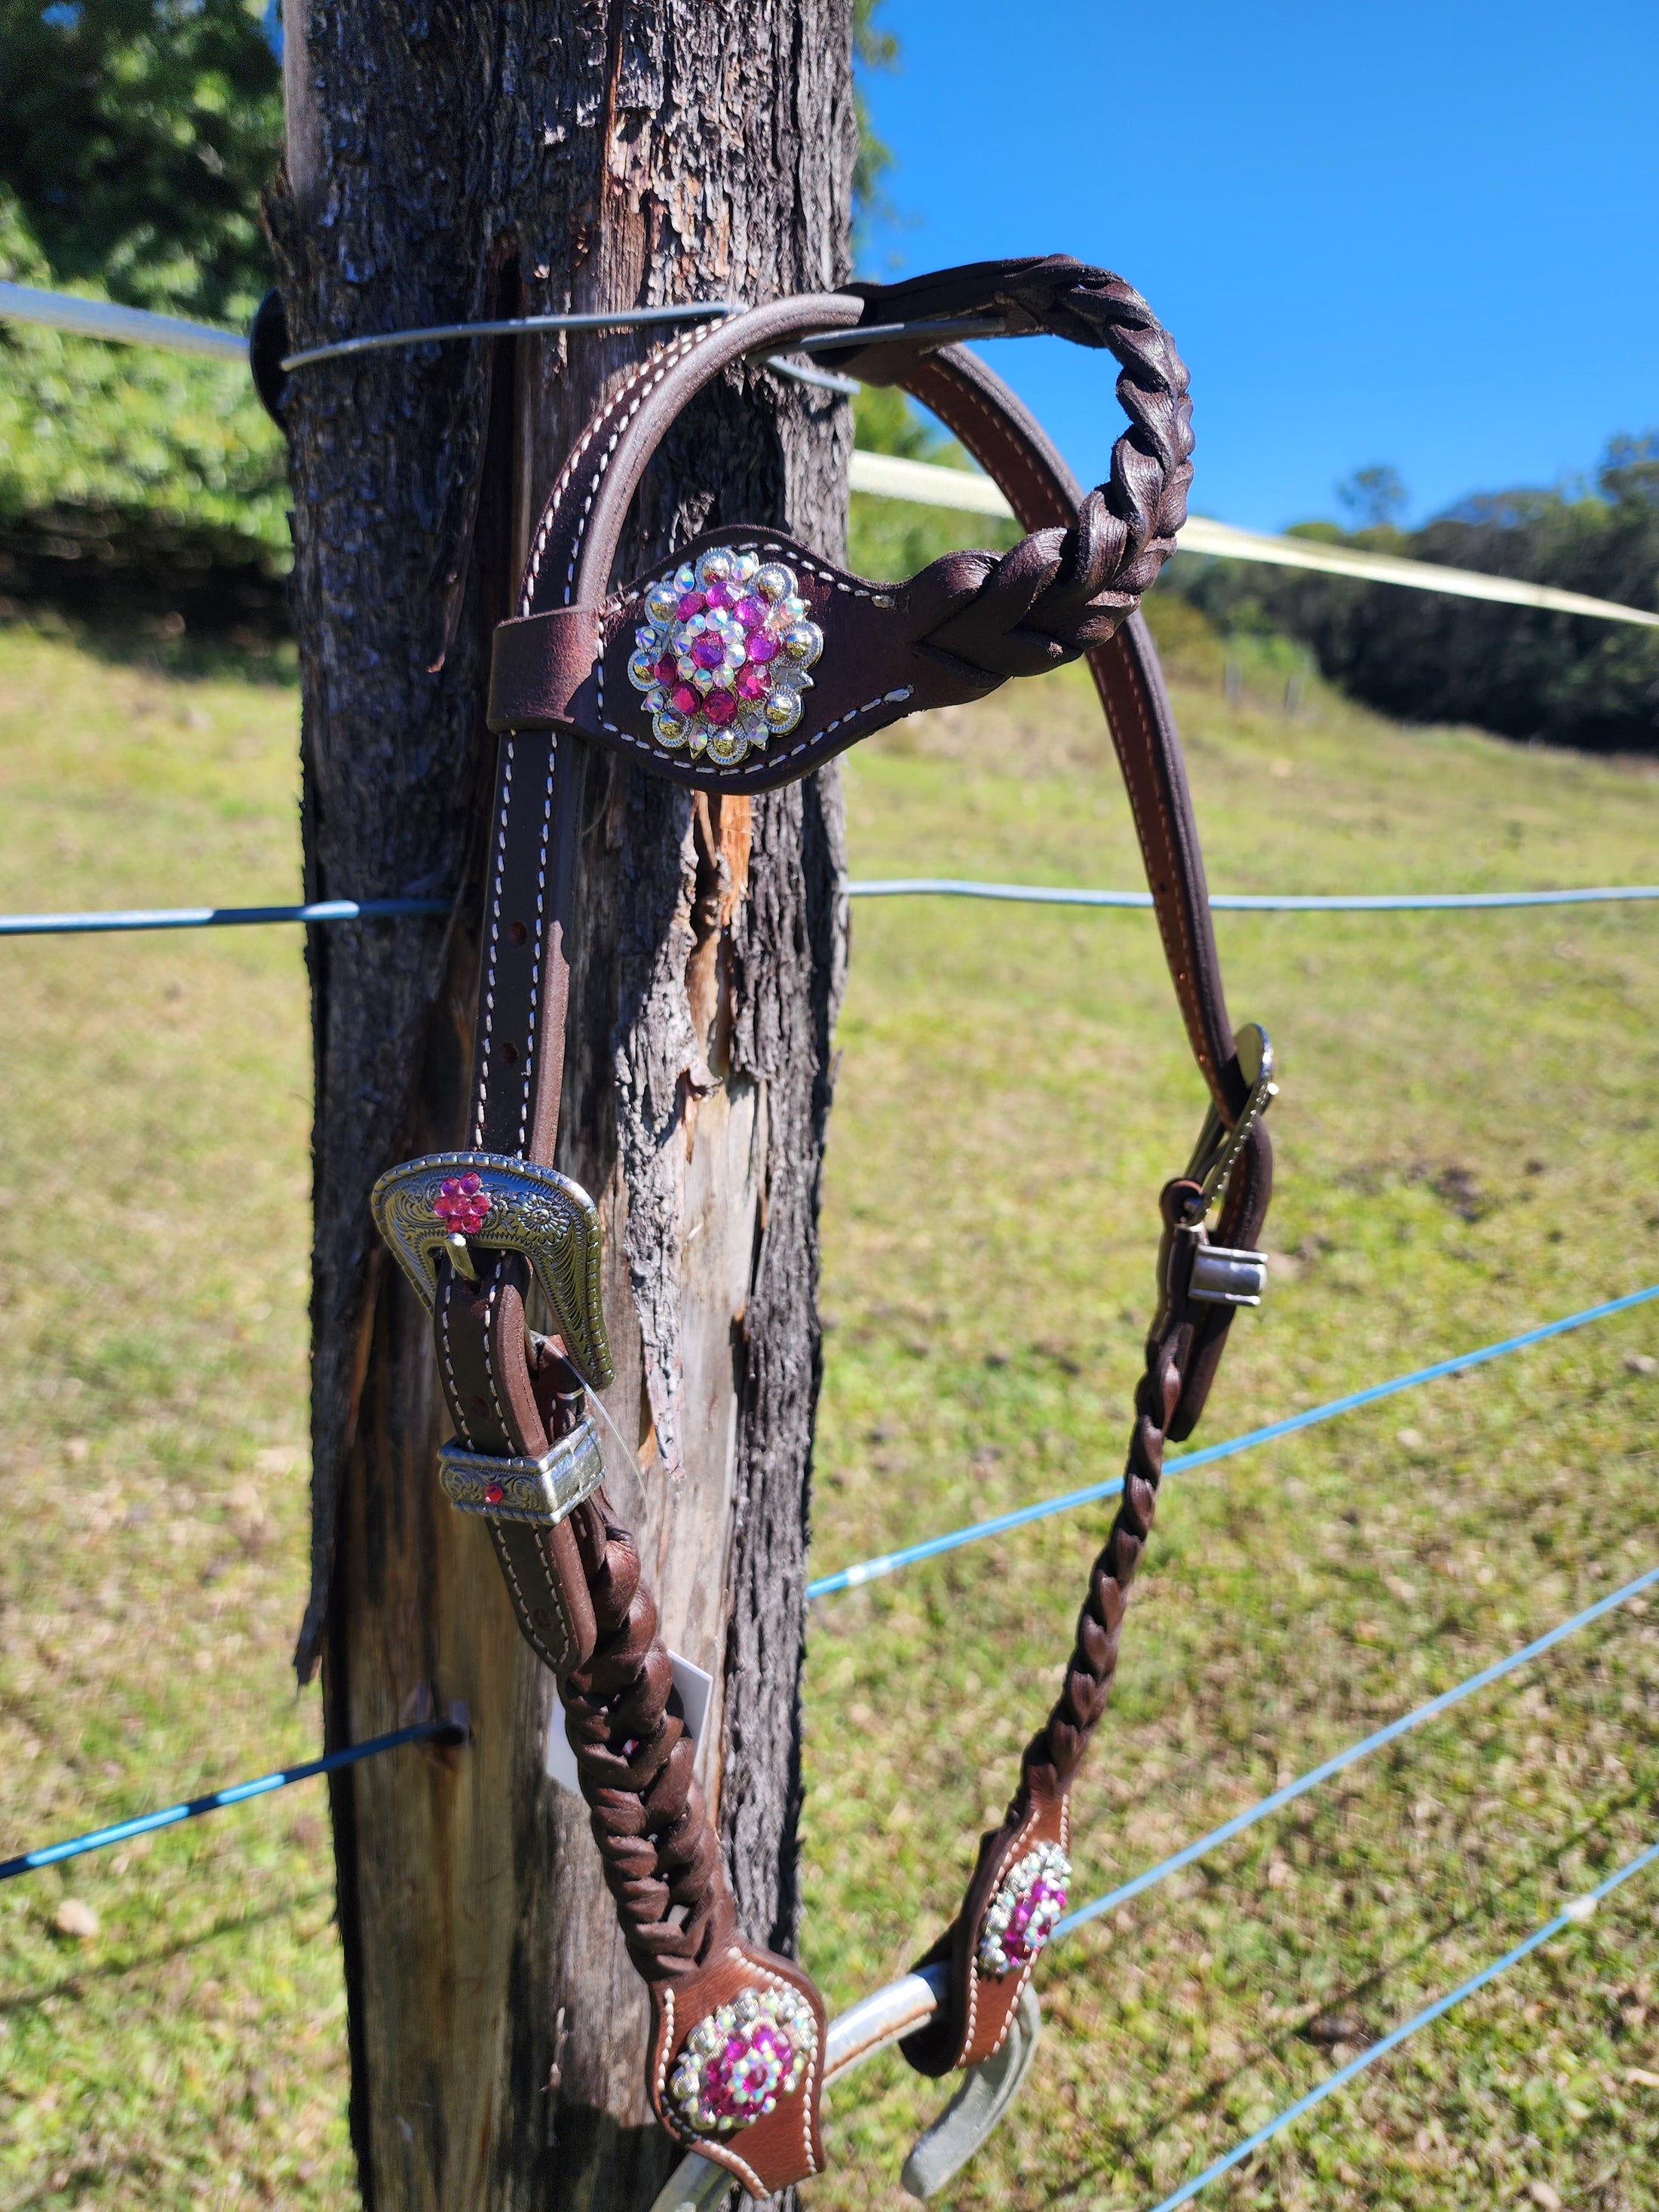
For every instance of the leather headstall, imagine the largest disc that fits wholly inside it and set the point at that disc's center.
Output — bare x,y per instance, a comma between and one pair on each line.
741,662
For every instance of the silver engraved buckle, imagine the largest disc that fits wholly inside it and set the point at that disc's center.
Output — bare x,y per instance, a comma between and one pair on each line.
542,1491
450,1202
1224,1277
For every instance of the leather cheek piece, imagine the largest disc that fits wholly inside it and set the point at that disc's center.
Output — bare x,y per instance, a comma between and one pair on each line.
569,668
975,2023
783,2146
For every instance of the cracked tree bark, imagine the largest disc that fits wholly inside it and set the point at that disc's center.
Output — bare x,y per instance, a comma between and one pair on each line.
447,163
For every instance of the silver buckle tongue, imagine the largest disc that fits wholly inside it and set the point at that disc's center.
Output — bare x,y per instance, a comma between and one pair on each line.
1221,1275
450,1201
1219,1147
542,1491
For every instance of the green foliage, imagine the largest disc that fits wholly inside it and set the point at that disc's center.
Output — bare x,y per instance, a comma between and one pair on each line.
125,470
874,47
1374,496
138,134
1565,679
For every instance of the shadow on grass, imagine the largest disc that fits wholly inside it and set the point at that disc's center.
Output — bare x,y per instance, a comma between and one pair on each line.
115,1968
1134,2153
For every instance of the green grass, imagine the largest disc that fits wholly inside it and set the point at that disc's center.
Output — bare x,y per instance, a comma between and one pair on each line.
1466,1139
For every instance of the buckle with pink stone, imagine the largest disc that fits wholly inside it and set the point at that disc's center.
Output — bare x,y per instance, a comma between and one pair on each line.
734,2066
437,1206
1020,1918
723,654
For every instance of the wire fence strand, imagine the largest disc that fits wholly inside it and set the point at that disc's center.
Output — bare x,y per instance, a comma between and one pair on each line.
1249,902
1418,1717
212,917
191,1809
1573,1915
889,1563
331,910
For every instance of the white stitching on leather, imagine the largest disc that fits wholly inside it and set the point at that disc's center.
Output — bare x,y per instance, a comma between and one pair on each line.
489,1361
771,760
489,1009
535,1641
1033,1819
541,921
456,1405
661,361
781,1981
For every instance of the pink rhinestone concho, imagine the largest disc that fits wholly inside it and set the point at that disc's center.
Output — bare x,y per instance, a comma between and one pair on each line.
1020,1918
739,2062
462,1204
723,654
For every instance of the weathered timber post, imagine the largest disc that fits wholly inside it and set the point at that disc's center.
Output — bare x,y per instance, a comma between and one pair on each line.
448,163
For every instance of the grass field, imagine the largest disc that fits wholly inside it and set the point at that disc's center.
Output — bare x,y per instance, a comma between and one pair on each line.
1466,1139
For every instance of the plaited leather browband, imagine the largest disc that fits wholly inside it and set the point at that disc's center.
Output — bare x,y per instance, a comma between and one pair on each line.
741,663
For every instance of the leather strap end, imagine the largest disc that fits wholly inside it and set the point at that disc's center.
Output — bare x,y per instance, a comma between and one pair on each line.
539,663
1022,1865
767,2006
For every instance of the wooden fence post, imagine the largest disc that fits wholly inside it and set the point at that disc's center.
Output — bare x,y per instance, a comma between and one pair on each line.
448,163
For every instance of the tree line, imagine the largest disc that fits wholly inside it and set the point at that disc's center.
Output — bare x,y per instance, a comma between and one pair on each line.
1425,657
137,135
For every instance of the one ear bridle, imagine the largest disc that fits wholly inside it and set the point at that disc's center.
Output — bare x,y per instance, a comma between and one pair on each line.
743,663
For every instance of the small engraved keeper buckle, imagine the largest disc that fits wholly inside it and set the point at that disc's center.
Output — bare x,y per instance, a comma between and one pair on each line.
542,1491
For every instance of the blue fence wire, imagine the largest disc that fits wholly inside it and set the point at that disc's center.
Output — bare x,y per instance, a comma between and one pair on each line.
888,1563
1247,902
212,917
324,910
1574,1915
1419,1714
191,1809
453,1731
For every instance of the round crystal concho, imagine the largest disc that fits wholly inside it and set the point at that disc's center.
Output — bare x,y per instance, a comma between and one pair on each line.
723,653
738,2062
1020,1918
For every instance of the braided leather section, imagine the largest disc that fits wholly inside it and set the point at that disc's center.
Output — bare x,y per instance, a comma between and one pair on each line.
661,1857
1058,592
1178,1331
1184,1334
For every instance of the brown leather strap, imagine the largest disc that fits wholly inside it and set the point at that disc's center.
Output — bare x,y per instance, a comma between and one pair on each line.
1002,436
563,674
980,2003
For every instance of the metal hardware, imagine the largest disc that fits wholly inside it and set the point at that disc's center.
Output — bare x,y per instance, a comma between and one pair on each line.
1223,1277
1219,1146
987,2090
522,1208
543,1491
942,331
622,319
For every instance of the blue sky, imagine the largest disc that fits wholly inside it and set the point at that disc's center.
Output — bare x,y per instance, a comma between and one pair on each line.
1426,235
